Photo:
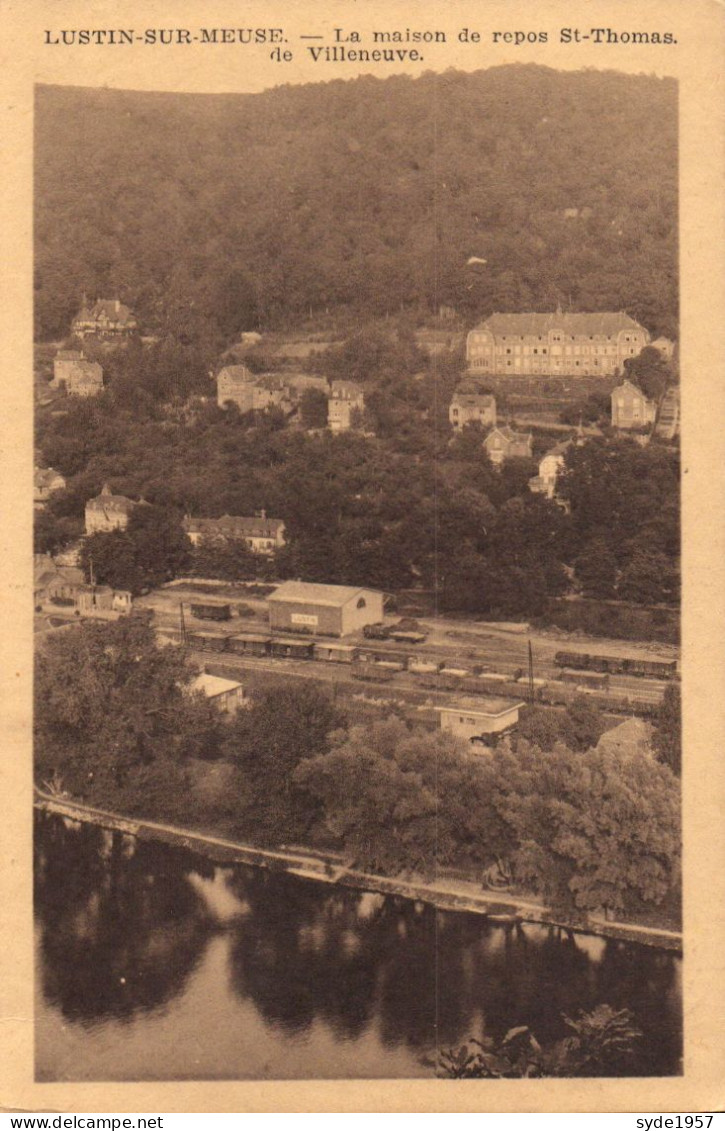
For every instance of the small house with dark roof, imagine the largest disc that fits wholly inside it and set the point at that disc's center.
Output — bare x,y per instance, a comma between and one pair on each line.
503,443
324,610
108,512
106,318
556,344
470,404
262,535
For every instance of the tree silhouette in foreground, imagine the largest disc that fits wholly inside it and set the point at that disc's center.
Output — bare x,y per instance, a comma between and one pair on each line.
600,1043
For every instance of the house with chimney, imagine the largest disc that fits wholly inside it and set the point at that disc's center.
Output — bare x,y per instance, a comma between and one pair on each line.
261,534
107,319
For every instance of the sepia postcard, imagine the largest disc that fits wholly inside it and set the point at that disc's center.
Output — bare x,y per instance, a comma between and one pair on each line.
362,480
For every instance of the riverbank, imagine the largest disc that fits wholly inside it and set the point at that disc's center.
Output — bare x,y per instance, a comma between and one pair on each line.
504,908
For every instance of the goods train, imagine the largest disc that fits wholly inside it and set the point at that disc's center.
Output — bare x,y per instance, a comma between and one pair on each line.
378,664
616,665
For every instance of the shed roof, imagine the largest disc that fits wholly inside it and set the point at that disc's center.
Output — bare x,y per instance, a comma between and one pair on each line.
307,592
213,685
483,707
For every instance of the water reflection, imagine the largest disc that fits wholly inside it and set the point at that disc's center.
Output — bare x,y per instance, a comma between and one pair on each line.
121,927
328,981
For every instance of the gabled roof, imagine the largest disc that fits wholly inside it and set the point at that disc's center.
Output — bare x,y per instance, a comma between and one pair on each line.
307,592
234,526
559,449
483,707
46,476
89,371
345,390
470,396
631,387
518,325
45,577
106,501
629,736
213,685
272,381
110,308
236,375
508,433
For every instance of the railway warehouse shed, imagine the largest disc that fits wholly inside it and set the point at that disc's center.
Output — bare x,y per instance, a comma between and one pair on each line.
323,610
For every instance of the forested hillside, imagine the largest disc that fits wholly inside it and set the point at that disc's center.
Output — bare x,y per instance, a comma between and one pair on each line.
213,213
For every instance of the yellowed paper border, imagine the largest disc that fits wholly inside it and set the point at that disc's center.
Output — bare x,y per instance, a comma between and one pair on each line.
697,61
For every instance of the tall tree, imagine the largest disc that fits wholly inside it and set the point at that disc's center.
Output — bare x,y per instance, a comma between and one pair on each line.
114,718
282,729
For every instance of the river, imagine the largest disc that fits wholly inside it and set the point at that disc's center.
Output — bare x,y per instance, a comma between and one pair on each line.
154,964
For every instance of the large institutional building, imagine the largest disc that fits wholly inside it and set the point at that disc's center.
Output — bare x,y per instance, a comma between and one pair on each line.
567,345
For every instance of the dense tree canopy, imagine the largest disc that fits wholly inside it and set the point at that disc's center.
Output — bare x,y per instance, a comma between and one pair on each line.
153,549
114,718
588,829
358,509
267,743
211,214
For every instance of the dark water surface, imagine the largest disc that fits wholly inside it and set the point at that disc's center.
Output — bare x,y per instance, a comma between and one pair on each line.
153,963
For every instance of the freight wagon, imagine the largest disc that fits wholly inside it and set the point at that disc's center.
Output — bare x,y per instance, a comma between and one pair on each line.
290,649
207,641
408,637
249,644
372,673
335,653
211,612
617,665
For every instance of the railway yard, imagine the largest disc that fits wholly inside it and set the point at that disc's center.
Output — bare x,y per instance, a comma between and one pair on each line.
441,659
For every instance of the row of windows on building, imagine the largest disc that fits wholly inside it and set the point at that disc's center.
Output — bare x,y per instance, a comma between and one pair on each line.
573,337
566,351
543,364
